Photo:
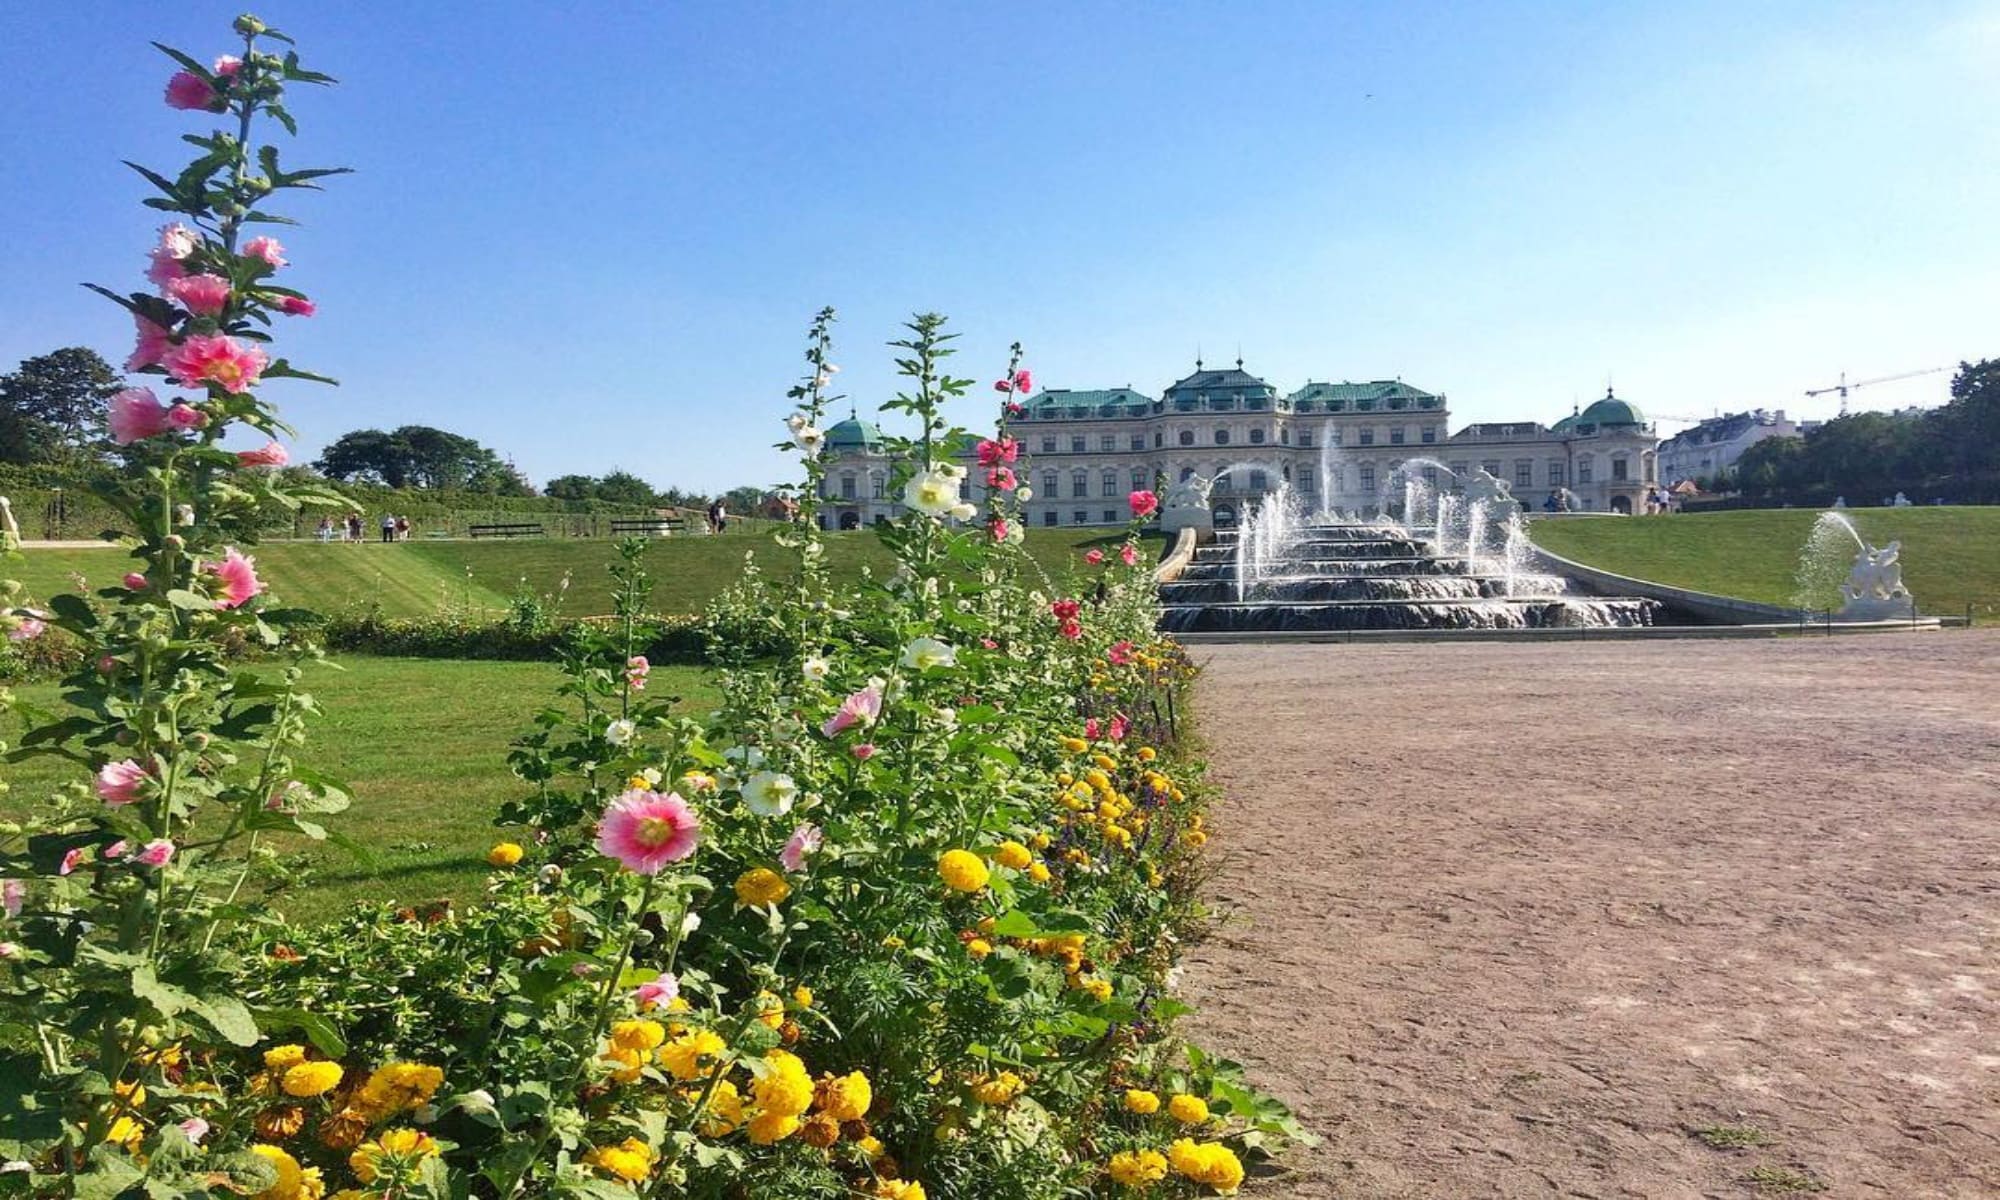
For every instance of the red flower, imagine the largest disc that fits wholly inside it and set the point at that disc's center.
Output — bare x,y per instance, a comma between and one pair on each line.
996,453
1065,610
1143,503
1072,629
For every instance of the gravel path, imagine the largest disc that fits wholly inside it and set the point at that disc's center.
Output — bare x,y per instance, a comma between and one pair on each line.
1520,920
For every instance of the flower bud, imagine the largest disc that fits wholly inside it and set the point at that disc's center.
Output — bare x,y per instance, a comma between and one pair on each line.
175,541
126,737
249,26
199,741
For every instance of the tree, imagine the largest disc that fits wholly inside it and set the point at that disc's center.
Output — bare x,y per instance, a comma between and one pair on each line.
52,407
369,455
623,487
422,457
1970,423
570,487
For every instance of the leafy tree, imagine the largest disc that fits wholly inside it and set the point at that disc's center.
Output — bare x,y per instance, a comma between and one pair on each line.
571,487
369,455
423,457
1970,423
52,407
623,487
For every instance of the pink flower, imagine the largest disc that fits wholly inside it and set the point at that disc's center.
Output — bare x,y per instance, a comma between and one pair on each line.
989,643
1120,653
228,65
661,989
116,850
1003,385
187,90
1065,610
1023,382
583,970
154,342
266,248
996,453
156,853
861,708
863,750
105,663
9,950
177,241
1143,503
27,629
1015,410
645,830
185,416
13,895
636,670
204,295
1091,730
120,782
195,1128
219,360
1093,557
999,529
238,577
270,454
1071,630
165,269
1002,479
1120,726
135,581
136,414
804,840
297,306
70,861
1128,554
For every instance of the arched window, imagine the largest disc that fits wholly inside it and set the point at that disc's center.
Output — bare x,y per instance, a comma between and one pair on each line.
1079,484
1256,437
1187,437
1222,437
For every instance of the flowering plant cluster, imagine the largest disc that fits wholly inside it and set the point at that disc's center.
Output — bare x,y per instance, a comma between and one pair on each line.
899,919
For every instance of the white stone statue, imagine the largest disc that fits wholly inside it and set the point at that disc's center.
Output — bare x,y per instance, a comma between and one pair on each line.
1484,485
1840,502
1902,501
1874,589
1186,505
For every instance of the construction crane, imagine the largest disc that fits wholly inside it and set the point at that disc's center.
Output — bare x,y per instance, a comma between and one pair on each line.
1844,387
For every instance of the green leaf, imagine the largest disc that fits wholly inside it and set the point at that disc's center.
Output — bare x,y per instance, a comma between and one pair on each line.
194,68
160,181
182,598
318,1030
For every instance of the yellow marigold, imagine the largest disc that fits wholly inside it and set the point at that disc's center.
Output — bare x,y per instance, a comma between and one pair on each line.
819,1131
682,1057
786,1087
1040,841
869,1145
1141,1101
641,1035
761,885
1138,1168
1147,754
630,1064
343,1130
1014,855
802,996
1195,838
506,854
392,1151
630,1160
312,1078
1039,872
725,1111
978,947
1188,1110
962,871
282,1058
291,1184
899,1189
1075,745
998,1089
844,1097
1097,987
1211,1163
127,1132
396,1086
280,1121
769,1127
1104,762
770,1010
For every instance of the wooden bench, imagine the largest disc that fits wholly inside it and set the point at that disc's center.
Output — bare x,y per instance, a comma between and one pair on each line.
654,527
525,529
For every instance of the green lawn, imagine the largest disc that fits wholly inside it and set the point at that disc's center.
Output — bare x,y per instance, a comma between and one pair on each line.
412,578
1950,556
423,744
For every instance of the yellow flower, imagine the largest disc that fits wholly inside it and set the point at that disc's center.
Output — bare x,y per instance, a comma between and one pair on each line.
293,1182
962,871
1140,1101
1039,872
871,1146
1195,838
396,1086
1138,1168
642,1035
1040,841
785,1088
127,1132
725,1111
844,1097
769,1127
802,996
1097,988
770,1010
1147,754
997,1089
978,947
682,1057
281,1058
899,1189
630,1160
761,885
1188,1110
393,1150
1014,855
506,854
1211,1163
1075,745
312,1078
1104,762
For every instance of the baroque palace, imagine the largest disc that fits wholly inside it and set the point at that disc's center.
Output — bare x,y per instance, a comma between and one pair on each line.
1334,443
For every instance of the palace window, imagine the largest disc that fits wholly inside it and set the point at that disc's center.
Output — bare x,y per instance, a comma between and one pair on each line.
1430,435
1138,479
1367,478
1524,472
1395,435
1461,468
1335,436
1187,473
847,487
1079,517
1187,437
1368,435
1049,517
1431,476
1110,516
1222,483
1159,439
1049,489
1619,469
1584,470
1109,482
1305,437
1285,437
1079,484
1108,443
1222,437
1258,481
1076,444
1139,441
878,487
1491,466
1256,437
1555,472
1049,445
1304,477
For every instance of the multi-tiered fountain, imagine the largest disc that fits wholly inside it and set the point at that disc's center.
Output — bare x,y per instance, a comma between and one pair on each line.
1424,556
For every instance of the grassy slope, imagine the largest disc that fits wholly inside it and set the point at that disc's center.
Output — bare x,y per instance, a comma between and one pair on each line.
1951,556
423,744
411,578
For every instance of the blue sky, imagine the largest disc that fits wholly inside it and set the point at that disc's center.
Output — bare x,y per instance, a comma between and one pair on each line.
594,239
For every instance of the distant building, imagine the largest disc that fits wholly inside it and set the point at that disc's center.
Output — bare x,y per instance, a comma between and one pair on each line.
1712,447
1336,444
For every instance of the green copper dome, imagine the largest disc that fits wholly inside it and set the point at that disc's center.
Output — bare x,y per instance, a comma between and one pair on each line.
1611,412
854,434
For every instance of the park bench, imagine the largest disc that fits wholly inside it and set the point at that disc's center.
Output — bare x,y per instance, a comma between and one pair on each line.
524,529
651,527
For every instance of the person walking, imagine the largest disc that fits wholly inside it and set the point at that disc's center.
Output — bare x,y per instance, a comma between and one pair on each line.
402,529
388,529
354,526
325,531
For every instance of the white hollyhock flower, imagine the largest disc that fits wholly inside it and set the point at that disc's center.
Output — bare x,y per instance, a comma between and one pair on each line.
816,669
769,793
926,652
620,732
1024,493
931,494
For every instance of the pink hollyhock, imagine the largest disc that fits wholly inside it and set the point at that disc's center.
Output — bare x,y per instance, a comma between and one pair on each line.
1120,726
165,269
1071,630
864,750
661,989
805,840
14,896
1143,503
153,344
1065,610
71,861
116,850
187,90
270,454
136,414
1093,557
200,361
134,580
1128,554
996,453
645,830
1091,729
1002,479
1120,653
120,782
1003,385
1023,382
185,416
156,853
1015,410
297,306
204,295
195,1128
228,65
238,576
27,629
9,950
636,670
177,241
266,248
861,708
989,643
999,529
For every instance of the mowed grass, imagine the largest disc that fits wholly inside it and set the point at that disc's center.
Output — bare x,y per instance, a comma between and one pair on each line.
423,744
413,578
1950,556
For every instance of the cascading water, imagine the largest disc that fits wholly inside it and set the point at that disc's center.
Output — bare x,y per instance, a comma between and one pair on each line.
1824,562
1447,510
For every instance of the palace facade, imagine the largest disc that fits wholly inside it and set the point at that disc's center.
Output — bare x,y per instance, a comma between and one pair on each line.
1082,452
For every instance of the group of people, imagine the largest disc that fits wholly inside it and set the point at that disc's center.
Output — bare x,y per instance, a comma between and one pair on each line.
349,528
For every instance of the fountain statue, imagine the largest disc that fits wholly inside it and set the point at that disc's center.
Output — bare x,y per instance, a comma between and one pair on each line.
1901,501
1840,502
1874,589
1487,487
1186,506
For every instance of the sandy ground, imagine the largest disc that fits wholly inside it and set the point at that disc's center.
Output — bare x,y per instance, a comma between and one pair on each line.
1518,920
